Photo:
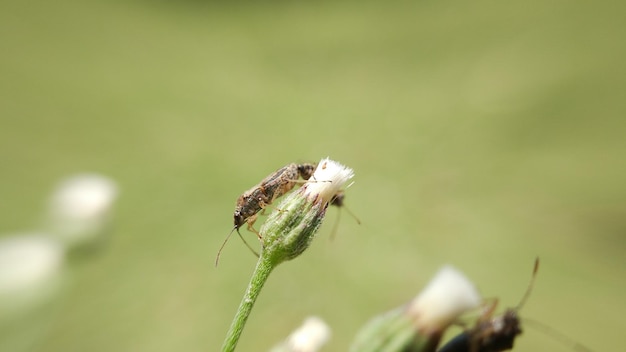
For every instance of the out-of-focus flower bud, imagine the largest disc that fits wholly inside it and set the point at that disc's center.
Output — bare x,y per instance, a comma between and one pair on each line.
30,271
310,337
80,208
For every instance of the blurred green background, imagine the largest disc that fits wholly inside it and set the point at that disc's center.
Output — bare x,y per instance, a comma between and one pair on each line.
482,135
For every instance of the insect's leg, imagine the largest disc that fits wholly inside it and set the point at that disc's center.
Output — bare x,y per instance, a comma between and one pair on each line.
312,179
263,201
250,223
483,327
488,308
264,205
247,245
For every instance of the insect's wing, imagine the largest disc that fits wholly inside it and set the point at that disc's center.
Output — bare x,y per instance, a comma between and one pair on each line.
280,182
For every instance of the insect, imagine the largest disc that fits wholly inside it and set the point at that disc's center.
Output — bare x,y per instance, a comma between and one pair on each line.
495,334
338,201
254,200
251,202
492,334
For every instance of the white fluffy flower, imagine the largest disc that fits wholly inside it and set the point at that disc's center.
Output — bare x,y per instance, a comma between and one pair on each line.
328,179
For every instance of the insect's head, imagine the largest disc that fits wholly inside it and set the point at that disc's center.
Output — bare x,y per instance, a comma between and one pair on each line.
239,219
306,170
505,328
338,199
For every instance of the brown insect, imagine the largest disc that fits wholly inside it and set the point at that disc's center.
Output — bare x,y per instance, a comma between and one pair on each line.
251,202
498,333
492,334
257,198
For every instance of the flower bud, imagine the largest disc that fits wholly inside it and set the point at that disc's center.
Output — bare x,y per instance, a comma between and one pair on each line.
30,272
310,337
80,208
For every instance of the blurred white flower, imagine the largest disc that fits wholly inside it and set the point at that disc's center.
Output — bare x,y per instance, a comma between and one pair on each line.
310,337
80,207
30,266
448,295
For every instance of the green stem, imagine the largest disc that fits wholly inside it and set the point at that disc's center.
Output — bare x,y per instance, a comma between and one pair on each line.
264,267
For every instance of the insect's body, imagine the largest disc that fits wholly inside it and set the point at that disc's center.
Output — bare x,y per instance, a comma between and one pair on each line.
491,334
251,202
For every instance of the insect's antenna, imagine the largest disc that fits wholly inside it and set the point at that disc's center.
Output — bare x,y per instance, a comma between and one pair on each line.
217,258
557,335
531,284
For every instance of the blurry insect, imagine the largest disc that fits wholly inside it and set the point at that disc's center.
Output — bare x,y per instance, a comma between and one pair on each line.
254,200
495,334
338,201
492,334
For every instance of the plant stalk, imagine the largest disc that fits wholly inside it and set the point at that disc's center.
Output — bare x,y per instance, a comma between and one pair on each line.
264,267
